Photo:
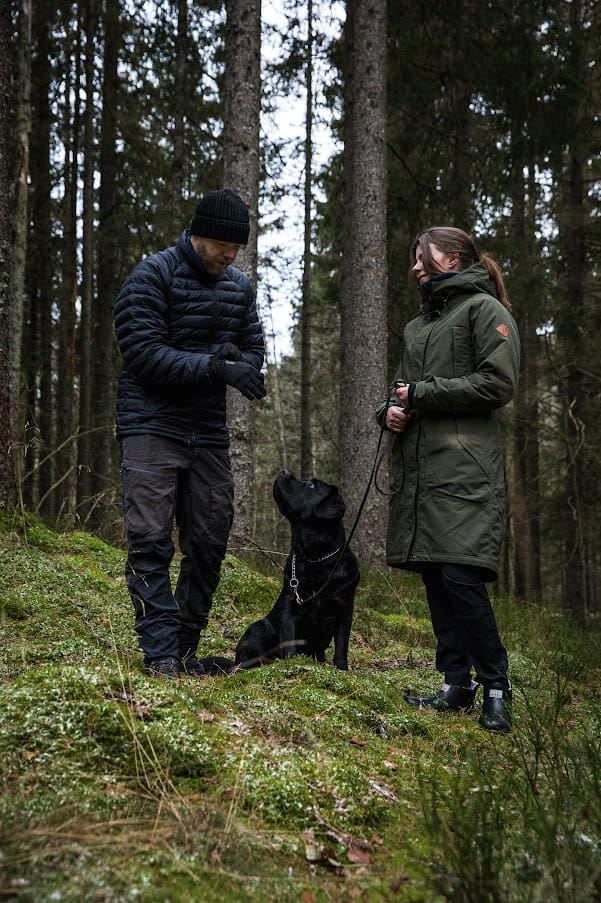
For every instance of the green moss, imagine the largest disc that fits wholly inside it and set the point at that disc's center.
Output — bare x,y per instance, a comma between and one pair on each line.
290,779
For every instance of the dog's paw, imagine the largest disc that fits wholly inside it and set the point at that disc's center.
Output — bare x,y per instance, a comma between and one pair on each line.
211,666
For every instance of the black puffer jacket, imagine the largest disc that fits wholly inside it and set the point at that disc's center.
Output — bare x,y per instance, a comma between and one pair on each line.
171,318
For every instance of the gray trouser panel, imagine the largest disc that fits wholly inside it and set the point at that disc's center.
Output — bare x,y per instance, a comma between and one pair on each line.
165,482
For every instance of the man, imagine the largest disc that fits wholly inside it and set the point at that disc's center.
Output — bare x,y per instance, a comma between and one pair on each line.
187,326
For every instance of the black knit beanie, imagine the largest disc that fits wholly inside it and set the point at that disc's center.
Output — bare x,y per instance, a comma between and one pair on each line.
222,216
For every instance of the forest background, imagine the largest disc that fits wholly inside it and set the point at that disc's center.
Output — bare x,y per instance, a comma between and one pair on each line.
115,117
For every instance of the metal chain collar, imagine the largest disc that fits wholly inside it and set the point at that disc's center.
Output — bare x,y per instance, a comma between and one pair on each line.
294,578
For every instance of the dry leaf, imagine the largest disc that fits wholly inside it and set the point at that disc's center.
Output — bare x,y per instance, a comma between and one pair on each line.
358,855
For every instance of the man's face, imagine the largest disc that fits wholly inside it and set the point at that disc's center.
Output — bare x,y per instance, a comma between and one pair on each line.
216,255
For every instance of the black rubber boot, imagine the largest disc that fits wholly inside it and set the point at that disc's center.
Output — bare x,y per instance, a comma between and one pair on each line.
168,667
496,709
450,698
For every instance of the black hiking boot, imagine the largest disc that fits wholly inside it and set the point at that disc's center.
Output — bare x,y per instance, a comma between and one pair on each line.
168,667
450,698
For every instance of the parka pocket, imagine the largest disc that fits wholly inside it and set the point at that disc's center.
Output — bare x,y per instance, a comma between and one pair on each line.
462,351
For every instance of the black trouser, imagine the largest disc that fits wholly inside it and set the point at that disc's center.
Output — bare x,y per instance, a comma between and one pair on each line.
163,481
465,626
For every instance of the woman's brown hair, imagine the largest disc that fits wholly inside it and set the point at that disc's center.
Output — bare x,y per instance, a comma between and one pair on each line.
457,243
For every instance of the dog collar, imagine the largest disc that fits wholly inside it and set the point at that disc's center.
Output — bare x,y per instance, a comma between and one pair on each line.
294,578
324,557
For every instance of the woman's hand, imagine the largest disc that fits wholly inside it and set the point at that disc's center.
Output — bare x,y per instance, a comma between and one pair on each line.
397,418
402,393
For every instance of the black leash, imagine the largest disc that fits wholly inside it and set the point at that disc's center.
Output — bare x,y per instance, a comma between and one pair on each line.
378,458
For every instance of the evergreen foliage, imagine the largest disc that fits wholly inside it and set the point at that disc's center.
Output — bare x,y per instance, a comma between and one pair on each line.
492,117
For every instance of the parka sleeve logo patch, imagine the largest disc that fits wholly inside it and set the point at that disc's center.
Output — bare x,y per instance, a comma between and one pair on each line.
504,329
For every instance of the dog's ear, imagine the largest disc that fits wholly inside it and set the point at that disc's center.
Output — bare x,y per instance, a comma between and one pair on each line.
332,507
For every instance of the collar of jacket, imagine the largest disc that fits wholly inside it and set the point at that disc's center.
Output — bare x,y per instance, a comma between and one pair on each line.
185,243
432,299
442,288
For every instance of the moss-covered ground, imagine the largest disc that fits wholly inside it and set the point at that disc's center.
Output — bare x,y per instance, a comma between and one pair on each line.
290,782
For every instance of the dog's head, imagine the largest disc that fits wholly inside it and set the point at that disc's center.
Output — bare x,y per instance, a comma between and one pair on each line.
314,506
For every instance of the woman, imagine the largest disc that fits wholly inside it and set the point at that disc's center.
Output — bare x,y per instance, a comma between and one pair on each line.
459,364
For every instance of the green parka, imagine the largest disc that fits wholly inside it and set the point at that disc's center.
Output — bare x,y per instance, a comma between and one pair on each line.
447,477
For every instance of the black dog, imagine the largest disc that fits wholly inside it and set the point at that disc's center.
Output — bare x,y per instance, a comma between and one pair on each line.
315,605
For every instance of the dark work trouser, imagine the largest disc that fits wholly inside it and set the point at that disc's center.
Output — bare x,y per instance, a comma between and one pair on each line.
465,626
166,481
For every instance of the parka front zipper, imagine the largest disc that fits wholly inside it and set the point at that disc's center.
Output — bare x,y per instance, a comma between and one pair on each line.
412,554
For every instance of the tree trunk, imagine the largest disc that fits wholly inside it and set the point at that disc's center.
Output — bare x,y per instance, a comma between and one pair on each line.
65,489
7,483
576,563
364,284
242,105
177,174
87,288
525,498
306,443
39,339
20,218
103,402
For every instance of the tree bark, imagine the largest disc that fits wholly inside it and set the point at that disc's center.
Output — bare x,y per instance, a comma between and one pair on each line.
20,216
177,173
39,339
306,443
242,105
103,401
63,501
7,483
576,563
364,282
87,282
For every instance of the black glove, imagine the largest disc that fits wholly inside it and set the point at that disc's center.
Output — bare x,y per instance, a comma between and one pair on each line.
229,352
244,377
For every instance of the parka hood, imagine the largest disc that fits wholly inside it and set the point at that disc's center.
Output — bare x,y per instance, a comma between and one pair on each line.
441,289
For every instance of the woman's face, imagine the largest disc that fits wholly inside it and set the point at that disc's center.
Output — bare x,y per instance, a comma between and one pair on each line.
439,262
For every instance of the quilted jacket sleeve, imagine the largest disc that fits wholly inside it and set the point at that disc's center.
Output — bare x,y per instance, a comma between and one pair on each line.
142,329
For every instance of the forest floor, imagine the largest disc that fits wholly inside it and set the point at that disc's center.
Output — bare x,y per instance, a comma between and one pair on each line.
290,782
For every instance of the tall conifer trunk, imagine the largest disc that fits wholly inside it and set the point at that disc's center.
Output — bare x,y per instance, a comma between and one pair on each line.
38,343
87,283
20,214
7,485
62,500
103,365
364,286
306,443
573,331
177,170
242,105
